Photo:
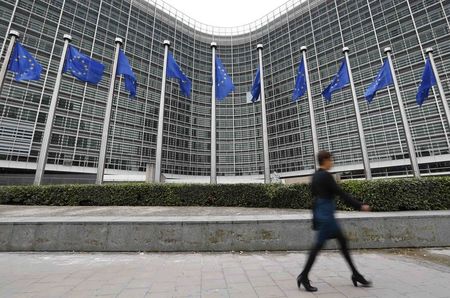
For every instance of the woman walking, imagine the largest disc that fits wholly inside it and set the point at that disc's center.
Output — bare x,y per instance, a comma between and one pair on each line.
324,189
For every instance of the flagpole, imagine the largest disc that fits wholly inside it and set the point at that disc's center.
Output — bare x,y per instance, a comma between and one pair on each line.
362,138
104,144
13,35
411,150
311,109
429,51
159,138
265,136
213,116
42,161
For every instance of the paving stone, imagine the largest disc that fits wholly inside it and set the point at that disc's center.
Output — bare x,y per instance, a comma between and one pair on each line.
139,283
216,293
241,278
262,281
79,294
163,287
212,275
331,295
276,276
132,293
269,291
160,295
352,292
297,293
204,275
243,294
241,286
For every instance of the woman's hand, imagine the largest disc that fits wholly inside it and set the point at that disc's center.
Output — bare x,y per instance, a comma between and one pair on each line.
366,208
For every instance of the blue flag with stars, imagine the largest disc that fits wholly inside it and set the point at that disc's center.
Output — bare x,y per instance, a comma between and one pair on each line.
174,71
124,69
224,84
383,79
340,80
23,65
428,81
82,66
256,88
300,82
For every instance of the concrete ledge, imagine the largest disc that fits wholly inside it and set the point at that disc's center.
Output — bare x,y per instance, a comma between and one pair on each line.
218,232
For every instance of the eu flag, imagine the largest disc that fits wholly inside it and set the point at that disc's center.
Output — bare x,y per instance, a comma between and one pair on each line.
383,79
340,80
256,88
124,69
174,71
224,84
428,81
23,65
83,67
300,82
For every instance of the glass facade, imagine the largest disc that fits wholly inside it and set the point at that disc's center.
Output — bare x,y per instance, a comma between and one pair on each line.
365,26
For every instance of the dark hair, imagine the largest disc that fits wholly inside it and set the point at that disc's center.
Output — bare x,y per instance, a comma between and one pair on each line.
322,156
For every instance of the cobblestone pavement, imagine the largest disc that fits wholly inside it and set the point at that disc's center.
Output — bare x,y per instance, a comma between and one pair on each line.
422,273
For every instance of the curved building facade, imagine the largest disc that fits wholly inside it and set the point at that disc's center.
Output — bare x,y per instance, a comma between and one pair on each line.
365,26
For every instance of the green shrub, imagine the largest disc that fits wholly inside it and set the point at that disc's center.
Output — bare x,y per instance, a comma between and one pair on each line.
382,195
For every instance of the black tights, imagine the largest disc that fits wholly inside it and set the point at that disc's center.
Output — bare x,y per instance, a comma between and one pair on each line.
318,246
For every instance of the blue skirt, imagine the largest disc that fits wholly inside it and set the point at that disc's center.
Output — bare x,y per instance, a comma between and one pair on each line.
323,219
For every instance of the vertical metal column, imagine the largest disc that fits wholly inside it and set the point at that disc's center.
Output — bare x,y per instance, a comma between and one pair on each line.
265,136
13,14
362,138
213,116
104,144
311,109
429,51
51,115
159,138
411,150
13,35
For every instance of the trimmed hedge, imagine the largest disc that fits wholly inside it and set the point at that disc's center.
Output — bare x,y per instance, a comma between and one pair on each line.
382,195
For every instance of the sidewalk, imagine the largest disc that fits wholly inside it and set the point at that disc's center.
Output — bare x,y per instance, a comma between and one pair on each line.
243,275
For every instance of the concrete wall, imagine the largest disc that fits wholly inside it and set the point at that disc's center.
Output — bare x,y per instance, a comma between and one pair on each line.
224,233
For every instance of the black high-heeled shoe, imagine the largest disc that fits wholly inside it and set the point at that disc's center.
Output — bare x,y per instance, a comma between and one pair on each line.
301,280
358,278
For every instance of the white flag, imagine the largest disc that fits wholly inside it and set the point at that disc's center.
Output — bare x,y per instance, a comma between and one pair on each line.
250,96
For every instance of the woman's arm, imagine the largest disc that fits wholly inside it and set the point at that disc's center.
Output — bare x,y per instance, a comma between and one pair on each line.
347,198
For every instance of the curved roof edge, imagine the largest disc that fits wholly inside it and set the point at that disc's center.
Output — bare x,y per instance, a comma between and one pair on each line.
227,31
